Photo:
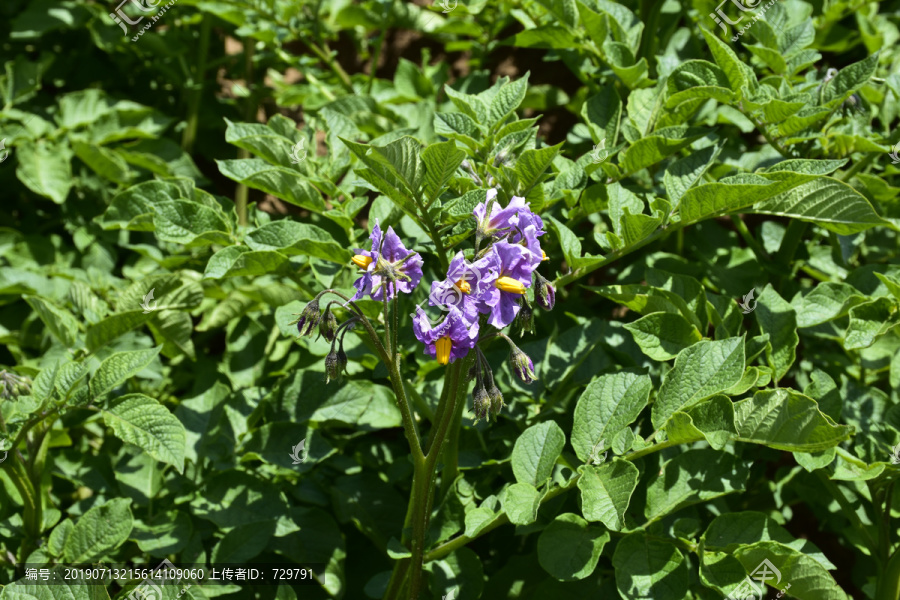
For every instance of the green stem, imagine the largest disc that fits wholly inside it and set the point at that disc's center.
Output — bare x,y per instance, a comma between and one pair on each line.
888,586
409,426
190,131
325,56
31,513
241,194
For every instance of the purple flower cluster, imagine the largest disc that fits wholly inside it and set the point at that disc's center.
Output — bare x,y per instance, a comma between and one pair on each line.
493,284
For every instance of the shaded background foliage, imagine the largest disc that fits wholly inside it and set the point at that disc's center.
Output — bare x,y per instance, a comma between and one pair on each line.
164,163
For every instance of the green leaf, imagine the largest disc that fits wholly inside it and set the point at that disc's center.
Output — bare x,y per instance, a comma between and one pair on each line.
657,146
730,531
284,183
827,301
544,36
569,547
729,62
99,531
100,334
234,498
44,167
606,491
521,502
531,166
869,321
608,405
700,371
507,99
787,420
824,201
848,80
144,422
291,237
647,568
186,222
684,173
441,162
237,261
711,420
536,451
603,112
809,580
694,476
119,367
777,319
59,322
663,335
735,193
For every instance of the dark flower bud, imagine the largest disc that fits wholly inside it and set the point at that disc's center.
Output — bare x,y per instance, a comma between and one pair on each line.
328,325
470,374
544,292
524,320
481,404
522,365
335,364
496,400
309,318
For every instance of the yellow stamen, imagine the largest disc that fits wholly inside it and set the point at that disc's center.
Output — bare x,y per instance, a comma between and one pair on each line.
508,284
362,261
442,347
544,256
464,286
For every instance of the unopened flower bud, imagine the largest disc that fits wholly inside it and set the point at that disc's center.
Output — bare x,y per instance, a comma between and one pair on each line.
335,364
481,403
496,400
328,325
309,318
524,320
522,365
544,292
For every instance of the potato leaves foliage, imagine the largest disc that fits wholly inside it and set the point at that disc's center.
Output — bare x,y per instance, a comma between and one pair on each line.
696,376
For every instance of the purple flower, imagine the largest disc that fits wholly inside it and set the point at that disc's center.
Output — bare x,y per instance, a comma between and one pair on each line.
516,264
388,265
529,238
515,221
467,285
500,220
449,340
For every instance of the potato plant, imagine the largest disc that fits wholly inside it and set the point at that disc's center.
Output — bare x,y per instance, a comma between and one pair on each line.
487,299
